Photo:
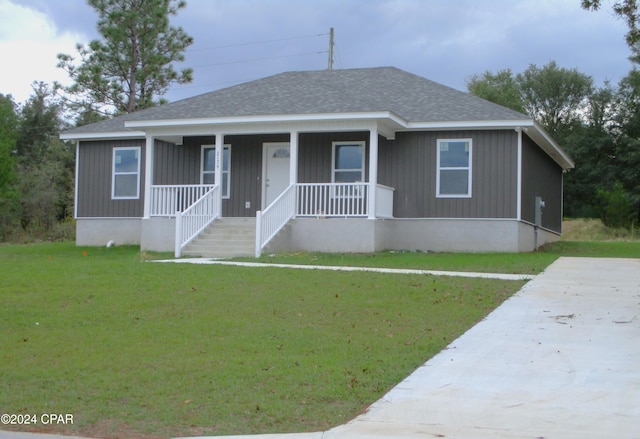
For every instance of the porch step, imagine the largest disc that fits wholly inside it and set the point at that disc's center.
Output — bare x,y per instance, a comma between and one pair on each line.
225,238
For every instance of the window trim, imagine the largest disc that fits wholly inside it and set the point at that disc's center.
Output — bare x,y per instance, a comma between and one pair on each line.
114,174
468,168
226,173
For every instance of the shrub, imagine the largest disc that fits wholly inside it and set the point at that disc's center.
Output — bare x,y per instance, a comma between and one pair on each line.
615,206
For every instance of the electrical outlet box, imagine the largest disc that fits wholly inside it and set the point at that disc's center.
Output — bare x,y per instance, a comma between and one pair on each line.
247,204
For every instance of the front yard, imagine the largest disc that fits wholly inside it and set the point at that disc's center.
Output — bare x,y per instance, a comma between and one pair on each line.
136,349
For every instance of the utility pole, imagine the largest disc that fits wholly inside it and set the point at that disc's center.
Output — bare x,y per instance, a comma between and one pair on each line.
331,49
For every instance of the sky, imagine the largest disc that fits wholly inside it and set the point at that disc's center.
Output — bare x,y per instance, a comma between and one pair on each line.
447,41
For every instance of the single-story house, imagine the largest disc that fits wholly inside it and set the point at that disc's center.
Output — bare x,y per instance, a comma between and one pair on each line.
355,160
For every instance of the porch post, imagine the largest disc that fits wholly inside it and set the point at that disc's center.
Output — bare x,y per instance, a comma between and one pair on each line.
148,174
373,171
293,158
293,166
218,168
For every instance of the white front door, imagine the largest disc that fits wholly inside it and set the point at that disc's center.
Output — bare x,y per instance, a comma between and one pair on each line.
276,171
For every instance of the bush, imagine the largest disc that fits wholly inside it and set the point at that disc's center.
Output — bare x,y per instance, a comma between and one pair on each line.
615,206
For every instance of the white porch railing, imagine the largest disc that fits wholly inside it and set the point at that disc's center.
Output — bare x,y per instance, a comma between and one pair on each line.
274,217
332,200
196,217
167,200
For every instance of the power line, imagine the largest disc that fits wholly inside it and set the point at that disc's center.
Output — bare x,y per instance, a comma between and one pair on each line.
257,42
259,59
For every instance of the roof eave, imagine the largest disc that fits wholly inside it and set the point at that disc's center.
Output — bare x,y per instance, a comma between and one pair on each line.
275,118
114,135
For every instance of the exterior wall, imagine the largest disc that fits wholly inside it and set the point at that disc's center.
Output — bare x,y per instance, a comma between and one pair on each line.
94,177
99,231
409,165
246,173
179,164
314,154
541,176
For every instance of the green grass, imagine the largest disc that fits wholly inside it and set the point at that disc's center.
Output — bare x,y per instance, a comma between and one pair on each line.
138,349
523,263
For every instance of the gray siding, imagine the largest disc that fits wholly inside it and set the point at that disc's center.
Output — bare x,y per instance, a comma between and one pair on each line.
541,176
179,164
95,179
246,173
314,154
408,164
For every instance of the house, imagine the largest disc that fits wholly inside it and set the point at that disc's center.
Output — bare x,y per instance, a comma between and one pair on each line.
355,160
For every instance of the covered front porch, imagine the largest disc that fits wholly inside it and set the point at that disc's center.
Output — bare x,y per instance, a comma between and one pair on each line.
293,183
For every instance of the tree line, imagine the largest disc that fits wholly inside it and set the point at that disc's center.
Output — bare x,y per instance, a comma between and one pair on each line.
131,67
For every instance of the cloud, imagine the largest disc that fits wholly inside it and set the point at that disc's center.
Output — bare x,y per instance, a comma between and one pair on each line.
29,43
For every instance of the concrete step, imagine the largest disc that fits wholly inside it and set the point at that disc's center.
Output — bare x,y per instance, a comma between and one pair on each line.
225,238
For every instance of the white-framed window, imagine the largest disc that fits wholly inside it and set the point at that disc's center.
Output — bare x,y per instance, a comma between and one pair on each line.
347,166
453,177
125,184
208,175
347,162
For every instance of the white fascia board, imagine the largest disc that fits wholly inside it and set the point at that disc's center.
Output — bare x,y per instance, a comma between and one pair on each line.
103,136
469,124
241,120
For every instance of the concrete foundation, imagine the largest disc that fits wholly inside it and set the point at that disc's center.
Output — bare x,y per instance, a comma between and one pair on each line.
99,231
341,235
355,235
158,234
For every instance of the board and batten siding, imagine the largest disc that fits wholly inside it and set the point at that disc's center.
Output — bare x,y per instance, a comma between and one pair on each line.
409,165
541,176
315,152
178,164
95,174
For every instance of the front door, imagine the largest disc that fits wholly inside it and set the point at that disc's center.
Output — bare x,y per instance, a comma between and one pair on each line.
276,171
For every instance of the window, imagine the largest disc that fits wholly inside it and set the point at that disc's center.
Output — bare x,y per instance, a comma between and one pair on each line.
209,167
454,168
126,173
348,162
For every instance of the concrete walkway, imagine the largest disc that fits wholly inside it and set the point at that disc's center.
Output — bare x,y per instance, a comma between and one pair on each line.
202,261
560,359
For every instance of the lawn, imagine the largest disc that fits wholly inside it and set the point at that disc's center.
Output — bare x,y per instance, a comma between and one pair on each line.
137,349
522,263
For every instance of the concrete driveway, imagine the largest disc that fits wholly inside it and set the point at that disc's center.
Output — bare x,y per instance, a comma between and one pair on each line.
560,359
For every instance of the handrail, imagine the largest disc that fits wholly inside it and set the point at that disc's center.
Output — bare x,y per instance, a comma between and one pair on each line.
272,219
196,218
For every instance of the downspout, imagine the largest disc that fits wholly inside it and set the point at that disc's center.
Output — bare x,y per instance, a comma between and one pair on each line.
519,177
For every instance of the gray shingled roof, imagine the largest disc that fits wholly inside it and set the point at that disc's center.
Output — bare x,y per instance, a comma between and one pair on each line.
411,97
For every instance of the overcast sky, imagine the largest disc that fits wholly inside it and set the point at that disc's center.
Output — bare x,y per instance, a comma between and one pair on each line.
236,41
